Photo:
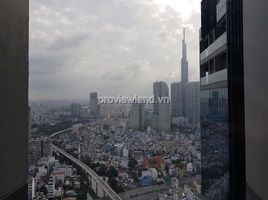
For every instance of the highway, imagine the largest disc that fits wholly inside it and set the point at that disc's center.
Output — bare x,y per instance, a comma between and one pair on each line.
60,132
108,190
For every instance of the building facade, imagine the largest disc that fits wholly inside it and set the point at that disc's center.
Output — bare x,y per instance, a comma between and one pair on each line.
193,103
184,76
161,121
94,105
75,109
137,117
217,73
176,100
38,148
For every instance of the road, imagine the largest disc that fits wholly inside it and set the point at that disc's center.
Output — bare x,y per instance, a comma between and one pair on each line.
152,192
108,190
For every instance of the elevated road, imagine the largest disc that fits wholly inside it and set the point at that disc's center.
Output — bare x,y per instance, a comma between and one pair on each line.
106,188
60,132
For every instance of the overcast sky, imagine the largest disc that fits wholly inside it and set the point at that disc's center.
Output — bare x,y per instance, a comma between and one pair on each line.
109,46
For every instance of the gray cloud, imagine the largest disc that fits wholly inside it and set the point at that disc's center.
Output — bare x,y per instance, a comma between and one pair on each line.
110,46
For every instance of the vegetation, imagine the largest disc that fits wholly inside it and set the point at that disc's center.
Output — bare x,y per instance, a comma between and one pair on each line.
132,163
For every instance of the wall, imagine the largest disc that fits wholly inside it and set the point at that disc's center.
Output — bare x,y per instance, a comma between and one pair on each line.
14,97
256,94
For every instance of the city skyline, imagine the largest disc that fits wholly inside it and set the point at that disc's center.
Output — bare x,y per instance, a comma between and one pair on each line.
112,52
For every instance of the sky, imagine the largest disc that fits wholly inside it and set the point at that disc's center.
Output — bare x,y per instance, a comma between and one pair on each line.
114,47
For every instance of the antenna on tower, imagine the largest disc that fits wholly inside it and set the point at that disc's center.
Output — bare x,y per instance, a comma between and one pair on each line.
184,33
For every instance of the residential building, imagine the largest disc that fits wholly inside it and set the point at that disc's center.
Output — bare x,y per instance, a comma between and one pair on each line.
75,109
94,105
161,121
137,117
38,148
193,103
84,112
176,100
154,162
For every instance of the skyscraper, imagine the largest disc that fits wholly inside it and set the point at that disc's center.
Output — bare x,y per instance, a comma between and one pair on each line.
193,103
233,71
185,94
175,100
137,117
94,105
75,109
184,75
162,116
221,178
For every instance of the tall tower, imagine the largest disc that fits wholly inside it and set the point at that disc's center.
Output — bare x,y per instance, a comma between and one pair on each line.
184,75
137,117
161,109
184,61
93,104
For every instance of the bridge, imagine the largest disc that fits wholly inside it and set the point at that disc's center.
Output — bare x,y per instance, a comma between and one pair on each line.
60,132
100,187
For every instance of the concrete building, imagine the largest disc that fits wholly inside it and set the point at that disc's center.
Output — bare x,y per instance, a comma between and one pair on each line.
184,75
84,112
38,148
193,103
137,117
94,105
176,100
14,21
51,187
233,71
161,121
75,109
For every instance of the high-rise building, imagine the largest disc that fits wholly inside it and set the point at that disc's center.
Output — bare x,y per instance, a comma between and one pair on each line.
233,70
184,76
220,175
94,105
75,109
14,20
185,95
162,115
137,117
176,100
84,112
193,103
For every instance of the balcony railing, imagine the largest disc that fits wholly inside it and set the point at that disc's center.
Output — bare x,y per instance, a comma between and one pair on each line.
215,77
217,44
